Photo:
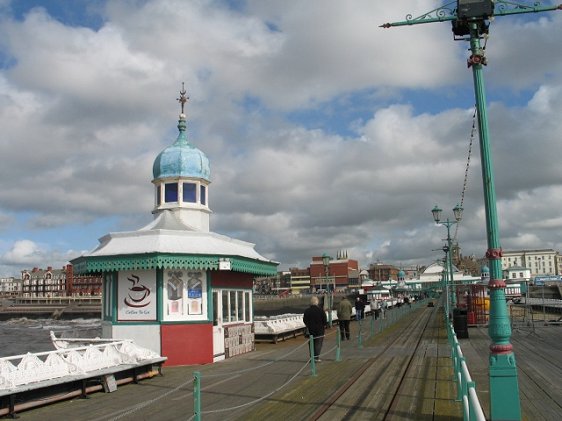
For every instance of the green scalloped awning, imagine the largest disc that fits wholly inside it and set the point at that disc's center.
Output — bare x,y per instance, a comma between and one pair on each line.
86,264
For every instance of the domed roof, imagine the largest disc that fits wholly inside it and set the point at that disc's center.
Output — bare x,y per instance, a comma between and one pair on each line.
401,274
181,159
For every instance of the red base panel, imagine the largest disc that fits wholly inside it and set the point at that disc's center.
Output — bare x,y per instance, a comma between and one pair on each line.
187,344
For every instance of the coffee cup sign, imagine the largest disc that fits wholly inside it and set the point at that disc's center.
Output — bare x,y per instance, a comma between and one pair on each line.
137,294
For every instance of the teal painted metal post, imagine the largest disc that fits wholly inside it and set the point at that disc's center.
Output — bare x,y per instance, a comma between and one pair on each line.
450,262
338,344
504,388
330,305
360,336
197,396
312,359
471,405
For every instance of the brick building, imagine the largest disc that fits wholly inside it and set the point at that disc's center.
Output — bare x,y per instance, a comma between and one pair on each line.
381,273
58,283
340,273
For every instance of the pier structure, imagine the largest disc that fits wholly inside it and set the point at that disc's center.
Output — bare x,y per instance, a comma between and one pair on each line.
174,286
397,367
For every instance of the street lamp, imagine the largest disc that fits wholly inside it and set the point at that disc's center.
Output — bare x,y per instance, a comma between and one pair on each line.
470,22
326,263
448,249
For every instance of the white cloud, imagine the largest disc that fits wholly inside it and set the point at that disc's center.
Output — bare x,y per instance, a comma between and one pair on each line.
324,131
23,252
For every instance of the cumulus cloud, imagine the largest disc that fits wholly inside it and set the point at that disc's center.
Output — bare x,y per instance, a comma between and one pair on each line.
325,132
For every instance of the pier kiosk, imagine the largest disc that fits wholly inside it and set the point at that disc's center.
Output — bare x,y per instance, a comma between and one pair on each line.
174,286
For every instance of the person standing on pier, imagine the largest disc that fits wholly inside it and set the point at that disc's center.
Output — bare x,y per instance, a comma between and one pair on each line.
359,308
344,316
315,321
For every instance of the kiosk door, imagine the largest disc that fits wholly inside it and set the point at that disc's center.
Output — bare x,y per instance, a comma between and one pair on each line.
218,330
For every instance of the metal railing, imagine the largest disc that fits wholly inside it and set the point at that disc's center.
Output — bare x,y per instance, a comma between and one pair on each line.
466,387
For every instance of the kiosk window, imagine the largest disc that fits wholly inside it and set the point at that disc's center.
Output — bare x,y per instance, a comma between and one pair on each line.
240,305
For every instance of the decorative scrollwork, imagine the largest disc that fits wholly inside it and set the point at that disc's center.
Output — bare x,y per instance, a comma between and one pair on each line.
442,13
502,7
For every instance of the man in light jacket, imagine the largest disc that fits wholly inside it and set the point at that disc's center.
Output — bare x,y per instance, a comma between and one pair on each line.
344,316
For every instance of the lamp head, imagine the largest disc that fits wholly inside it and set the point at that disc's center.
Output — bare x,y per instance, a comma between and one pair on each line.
325,259
475,9
436,214
457,210
472,11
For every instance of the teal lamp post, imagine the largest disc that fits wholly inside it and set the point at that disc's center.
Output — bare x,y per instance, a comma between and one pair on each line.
470,22
326,262
448,249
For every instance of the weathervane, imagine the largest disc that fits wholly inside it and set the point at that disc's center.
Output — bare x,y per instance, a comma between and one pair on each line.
183,98
470,22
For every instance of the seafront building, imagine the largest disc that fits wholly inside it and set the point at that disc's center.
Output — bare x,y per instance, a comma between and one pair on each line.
47,283
174,286
539,262
340,273
10,287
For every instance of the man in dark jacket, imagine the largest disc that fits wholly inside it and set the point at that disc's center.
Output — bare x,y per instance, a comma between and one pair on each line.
315,320
359,308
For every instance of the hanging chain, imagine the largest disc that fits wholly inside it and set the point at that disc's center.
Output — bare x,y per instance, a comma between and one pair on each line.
465,182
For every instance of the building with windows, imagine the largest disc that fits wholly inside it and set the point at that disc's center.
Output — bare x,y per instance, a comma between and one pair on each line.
85,285
43,283
300,280
517,272
10,287
340,273
46,283
539,262
174,286
379,272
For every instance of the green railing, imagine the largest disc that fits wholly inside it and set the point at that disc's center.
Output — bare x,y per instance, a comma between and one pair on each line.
466,387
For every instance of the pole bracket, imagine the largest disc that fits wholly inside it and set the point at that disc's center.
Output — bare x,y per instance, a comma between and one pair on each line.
494,254
496,284
501,349
476,59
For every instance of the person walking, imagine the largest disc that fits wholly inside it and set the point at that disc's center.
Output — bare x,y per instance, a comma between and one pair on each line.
359,308
344,316
315,321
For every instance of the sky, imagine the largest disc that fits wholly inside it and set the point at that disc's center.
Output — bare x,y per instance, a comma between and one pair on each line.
325,132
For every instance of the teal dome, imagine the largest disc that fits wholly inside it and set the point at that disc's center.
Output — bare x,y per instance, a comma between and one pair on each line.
181,159
401,274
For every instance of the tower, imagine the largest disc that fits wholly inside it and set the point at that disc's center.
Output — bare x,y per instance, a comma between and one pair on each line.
181,179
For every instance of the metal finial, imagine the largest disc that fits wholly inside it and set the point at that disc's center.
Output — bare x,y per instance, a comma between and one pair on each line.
183,98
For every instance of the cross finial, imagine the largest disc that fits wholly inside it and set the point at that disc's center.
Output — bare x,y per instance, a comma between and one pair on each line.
183,98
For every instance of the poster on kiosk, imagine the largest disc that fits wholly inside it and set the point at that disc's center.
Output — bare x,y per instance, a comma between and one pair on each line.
136,296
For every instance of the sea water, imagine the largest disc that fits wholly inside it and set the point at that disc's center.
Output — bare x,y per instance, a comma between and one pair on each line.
23,335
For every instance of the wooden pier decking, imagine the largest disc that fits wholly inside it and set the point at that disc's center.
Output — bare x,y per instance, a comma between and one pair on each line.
401,373
538,354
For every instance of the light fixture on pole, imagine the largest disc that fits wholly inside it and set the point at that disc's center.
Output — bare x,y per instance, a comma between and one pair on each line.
448,249
326,262
470,21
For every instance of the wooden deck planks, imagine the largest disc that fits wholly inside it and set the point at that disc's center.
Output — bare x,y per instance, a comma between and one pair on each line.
538,354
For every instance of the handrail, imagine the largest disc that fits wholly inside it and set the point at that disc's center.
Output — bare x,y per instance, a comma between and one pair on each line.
466,387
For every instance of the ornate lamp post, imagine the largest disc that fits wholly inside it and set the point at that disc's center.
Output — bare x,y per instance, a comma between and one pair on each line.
448,249
470,20
326,261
